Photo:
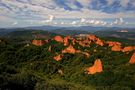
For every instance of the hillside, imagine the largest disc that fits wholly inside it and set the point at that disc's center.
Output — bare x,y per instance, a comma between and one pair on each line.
117,34
69,32
125,36
67,63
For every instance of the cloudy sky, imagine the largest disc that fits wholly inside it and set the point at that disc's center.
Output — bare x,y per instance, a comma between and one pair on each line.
22,13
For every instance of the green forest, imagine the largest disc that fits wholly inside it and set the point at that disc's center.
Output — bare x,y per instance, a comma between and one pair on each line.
30,67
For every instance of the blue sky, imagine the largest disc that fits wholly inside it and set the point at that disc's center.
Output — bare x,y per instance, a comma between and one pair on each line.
109,13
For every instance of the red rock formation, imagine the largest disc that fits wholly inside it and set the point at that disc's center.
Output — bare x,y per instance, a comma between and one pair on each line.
111,43
132,60
83,42
92,37
97,67
38,42
116,48
73,41
66,40
57,58
128,49
58,39
69,49
100,42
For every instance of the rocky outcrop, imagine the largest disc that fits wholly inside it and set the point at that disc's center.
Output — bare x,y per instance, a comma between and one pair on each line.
69,49
97,67
38,42
116,48
84,43
66,39
132,60
111,43
73,41
100,42
92,37
57,58
58,39
128,49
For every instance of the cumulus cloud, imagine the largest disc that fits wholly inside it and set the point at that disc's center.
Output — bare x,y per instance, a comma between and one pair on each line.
83,20
15,23
74,22
51,17
119,21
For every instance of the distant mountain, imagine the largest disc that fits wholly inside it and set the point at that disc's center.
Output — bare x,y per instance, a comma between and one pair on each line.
117,33
29,34
85,28
65,30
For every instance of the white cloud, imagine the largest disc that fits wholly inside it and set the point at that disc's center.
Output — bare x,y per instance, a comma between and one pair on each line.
74,22
51,17
62,23
82,20
119,21
97,22
15,23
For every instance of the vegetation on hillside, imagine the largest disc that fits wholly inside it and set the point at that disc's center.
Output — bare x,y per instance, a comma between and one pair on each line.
32,67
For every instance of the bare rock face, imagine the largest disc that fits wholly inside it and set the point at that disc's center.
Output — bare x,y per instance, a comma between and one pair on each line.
69,49
66,40
92,37
73,41
116,48
100,42
38,42
57,58
84,43
128,49
58,39
97,67
132,60
111,43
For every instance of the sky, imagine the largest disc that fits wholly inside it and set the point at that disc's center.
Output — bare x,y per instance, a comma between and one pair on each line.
108,13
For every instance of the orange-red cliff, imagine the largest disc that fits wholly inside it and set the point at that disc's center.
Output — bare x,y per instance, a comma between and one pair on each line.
132,60
57,58
97,67
38,42
69,49
58,39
